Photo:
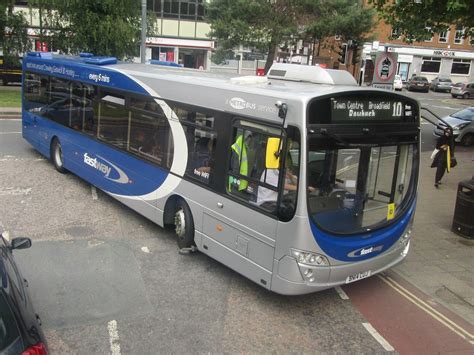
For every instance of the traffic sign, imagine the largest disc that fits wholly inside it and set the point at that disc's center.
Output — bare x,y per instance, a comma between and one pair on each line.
385,70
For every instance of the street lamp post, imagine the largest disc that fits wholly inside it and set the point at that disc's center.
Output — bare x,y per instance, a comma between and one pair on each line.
143,40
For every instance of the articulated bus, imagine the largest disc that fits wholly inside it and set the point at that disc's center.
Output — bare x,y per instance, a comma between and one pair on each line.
300,180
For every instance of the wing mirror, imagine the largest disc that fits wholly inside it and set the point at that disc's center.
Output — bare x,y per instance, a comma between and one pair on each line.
20,243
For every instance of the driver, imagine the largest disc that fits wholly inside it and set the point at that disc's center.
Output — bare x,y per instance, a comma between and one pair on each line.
268,197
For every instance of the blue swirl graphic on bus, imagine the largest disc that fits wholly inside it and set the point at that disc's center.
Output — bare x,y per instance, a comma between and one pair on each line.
121,176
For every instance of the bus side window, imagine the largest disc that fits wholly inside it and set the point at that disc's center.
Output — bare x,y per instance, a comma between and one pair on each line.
150,134
247,163
82,113
201,139
34,92
113,119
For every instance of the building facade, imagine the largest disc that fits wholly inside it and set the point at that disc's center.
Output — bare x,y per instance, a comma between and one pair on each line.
447,54
181,35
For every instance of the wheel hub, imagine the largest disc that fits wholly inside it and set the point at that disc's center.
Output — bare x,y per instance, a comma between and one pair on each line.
180,223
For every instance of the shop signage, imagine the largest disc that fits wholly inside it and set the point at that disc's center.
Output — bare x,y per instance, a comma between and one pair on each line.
444,53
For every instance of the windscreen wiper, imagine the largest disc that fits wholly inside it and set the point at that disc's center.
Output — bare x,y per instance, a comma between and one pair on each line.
443,122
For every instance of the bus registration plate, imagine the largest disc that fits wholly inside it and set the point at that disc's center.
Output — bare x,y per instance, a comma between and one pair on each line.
358,276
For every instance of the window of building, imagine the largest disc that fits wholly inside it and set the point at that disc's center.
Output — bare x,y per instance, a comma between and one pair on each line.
431,33
179,9
395,33
444,36
458,37
430,65
461,66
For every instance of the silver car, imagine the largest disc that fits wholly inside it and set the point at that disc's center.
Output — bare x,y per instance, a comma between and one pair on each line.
441,84
464,90
463,126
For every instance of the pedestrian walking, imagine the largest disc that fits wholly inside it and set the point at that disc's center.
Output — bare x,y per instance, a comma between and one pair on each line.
444,159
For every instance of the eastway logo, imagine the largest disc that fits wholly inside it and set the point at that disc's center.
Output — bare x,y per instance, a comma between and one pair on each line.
364,251
106,169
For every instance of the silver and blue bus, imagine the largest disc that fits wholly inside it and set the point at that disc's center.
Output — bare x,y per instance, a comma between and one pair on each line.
300,180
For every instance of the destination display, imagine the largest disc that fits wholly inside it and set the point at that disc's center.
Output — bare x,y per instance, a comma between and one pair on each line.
352,109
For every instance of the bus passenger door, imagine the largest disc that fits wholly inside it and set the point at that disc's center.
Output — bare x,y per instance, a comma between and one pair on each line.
242,229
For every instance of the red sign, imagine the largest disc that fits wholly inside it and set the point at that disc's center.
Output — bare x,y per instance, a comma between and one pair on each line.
385,67
41,46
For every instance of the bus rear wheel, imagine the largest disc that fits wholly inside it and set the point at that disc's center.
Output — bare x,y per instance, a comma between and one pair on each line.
57,156
184,225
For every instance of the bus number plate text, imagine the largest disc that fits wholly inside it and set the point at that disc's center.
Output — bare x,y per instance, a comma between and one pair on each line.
358,276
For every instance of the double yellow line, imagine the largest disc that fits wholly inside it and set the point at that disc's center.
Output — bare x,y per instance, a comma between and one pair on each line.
428,309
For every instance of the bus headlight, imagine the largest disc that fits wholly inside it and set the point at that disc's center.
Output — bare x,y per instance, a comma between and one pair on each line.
307,258
405,238
313,266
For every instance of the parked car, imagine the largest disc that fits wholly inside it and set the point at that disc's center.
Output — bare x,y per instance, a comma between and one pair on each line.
20,326
418,83
10,73
463,126
398,83
464,90
441,84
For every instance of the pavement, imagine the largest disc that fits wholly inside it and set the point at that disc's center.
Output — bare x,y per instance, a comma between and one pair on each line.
10,112
440,263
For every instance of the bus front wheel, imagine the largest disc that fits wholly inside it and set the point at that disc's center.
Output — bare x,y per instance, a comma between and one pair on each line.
184,225
57,156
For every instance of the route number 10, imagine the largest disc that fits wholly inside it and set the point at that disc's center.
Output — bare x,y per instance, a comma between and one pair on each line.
397,109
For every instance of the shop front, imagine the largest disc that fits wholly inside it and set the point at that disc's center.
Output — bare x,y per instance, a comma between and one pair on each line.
190,53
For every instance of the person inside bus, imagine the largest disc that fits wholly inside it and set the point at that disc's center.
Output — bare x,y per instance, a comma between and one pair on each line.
267,198
204,157
239,162
147,145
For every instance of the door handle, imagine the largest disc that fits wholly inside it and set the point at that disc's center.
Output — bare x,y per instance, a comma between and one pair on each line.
220,205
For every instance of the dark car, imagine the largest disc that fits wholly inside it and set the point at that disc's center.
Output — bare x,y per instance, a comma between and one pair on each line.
441,84
418,83
10,72
20,326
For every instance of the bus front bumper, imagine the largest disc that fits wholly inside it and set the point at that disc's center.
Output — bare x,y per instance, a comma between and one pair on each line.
289,280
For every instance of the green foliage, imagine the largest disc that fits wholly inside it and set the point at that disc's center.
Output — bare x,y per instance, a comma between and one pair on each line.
106,27
13,36
220,55
261,24
417,21
346,18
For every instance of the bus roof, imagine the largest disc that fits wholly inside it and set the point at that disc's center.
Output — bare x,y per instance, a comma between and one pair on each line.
255,96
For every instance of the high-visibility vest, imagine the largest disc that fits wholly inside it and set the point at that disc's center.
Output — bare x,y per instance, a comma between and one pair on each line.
241,150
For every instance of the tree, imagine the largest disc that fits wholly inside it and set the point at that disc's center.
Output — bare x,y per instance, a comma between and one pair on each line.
346,18
261,24
106,27
14,40
417,20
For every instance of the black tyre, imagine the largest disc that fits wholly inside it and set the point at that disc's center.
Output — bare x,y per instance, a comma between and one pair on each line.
465,96
184,225
57,156
454,96
467,140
